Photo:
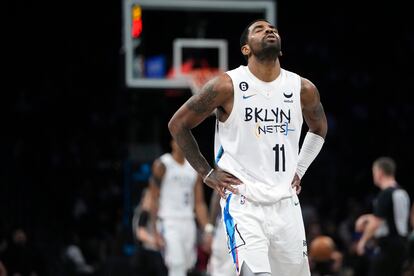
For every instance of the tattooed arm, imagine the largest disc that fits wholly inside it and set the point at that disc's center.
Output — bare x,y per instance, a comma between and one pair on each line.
314,115
217,93
312,108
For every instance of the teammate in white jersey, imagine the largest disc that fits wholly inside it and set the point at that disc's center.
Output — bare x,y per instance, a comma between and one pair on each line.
259,110
179,190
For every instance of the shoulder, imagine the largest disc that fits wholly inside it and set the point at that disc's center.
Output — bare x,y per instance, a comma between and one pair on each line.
158,166
307,87
165,158
222,83
216,91
234,73
290,74
217,86
309,94
400,194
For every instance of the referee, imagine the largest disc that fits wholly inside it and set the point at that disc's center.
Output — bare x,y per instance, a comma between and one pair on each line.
389,222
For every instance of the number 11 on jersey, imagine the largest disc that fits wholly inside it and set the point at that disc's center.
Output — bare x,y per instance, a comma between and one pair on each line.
279,148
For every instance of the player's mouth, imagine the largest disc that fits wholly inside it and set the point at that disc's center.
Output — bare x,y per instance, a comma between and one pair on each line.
271,37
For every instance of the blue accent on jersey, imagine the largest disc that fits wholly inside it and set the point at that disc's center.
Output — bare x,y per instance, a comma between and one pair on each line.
288,129
230,229
219,154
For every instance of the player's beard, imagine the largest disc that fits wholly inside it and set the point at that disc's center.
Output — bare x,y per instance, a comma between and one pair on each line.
267,51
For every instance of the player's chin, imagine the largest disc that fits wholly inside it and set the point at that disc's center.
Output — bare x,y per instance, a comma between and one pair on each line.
271,46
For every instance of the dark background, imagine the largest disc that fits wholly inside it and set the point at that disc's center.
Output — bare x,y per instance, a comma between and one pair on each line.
69,121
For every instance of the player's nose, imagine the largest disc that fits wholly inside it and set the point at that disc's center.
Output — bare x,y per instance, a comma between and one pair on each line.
269,31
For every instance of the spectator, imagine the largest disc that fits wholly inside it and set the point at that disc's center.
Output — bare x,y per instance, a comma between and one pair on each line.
20,258
74,259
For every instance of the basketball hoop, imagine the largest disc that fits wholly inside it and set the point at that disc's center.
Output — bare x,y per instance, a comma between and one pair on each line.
198,77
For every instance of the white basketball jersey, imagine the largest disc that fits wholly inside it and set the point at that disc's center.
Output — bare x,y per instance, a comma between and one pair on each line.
177,189
259,141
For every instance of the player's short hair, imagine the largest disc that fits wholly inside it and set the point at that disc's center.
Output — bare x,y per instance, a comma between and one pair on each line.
245,34
387,165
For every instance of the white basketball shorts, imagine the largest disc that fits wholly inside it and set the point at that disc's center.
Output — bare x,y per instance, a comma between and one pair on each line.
180,241
269,238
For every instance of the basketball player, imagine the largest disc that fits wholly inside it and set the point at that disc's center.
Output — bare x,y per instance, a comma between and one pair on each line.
259,169
389,222
180,192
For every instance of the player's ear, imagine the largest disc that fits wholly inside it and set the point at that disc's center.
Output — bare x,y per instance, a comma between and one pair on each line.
245,49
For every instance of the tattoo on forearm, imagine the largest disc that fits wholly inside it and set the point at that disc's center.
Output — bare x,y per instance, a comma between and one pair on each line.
202,103
191,151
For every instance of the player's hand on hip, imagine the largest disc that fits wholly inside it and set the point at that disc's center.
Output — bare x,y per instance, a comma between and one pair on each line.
296,184
222,181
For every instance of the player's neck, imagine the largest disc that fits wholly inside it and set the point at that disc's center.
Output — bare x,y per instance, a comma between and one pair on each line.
388,182
265,70
178,157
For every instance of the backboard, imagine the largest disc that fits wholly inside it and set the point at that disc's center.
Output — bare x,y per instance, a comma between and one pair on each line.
164,39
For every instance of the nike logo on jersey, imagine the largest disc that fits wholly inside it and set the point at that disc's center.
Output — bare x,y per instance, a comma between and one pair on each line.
288,95
246,97
296,203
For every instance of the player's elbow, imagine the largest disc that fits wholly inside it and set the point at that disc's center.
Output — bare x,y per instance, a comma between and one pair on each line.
177,125
173,127
321,130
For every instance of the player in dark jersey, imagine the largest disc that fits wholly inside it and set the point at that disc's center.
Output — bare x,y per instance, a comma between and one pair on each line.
388,223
